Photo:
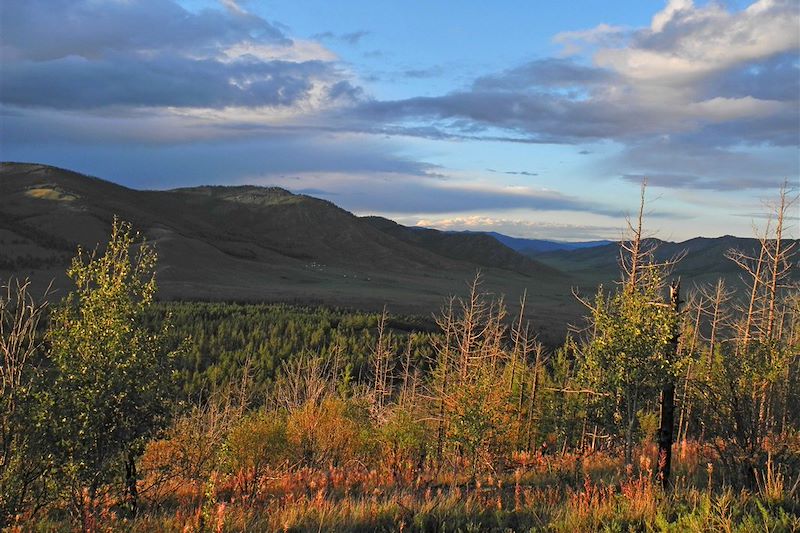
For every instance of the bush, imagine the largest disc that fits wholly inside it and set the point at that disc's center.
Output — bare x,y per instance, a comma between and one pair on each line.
254,445
404,440
333,431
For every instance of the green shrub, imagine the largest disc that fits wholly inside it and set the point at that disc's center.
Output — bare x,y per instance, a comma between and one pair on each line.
254,445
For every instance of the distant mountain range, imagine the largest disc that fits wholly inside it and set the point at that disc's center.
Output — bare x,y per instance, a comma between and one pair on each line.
252,243
534,247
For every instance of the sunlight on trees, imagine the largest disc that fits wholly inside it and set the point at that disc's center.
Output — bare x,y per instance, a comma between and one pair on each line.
112,378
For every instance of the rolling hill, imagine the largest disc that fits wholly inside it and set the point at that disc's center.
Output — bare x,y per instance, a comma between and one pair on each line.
258,243
703,260
250,243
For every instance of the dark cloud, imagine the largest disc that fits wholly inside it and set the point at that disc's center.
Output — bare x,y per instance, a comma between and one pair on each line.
535,117
224,161
367,177
354,37
550,72
695,166
777,78
152,53
548,113
310,191
685,181
166,80
43,30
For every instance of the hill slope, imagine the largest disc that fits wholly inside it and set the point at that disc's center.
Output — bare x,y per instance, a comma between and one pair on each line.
258,243
478,248
253,243
703,260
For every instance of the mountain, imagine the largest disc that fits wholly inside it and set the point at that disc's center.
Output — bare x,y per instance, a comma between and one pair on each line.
703,260
479,248
533,247
258,243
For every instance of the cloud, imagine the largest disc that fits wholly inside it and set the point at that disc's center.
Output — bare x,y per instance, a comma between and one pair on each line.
686,42
514,172
164,81
542,73
82,54
399,194
704,97
521,228
707,77
311,191
351,38
44,30
685,164
293,160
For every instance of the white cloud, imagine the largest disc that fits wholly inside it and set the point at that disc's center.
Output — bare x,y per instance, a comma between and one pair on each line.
661,18
686,42
574,42
520,227
298,51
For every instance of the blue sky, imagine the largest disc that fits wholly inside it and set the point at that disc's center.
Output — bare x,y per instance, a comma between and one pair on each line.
532,119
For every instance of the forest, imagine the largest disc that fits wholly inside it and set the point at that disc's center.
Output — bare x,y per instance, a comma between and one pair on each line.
669,408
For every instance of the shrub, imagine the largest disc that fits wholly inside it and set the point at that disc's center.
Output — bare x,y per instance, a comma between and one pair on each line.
332,431
254,445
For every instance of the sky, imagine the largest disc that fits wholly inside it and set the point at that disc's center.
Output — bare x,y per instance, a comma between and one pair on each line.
533,119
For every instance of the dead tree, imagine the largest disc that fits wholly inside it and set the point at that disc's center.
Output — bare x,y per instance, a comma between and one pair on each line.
381,361
668,397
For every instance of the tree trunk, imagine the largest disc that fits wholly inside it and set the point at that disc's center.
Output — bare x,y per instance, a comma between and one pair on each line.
665,433
130,483
630,409
668,399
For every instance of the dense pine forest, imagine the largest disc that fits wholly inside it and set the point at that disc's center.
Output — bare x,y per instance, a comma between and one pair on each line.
667,409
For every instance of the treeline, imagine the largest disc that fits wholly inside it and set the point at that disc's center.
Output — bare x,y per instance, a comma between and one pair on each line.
263,417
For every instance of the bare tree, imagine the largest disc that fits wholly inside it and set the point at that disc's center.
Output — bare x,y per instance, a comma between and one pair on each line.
20,315
381,364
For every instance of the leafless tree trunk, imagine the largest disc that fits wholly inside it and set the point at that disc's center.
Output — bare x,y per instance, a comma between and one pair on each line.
668,398
20,315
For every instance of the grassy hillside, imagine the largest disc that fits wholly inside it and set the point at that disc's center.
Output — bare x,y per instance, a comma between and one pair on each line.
260,244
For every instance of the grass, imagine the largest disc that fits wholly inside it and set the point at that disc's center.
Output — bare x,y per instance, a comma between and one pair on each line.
44,193
560,493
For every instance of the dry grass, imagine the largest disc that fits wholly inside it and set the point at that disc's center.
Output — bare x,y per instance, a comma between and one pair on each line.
563,493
